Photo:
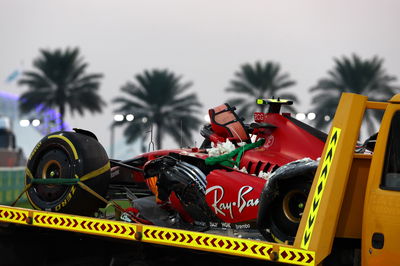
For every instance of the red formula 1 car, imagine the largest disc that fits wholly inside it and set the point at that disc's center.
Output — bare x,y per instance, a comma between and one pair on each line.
260,182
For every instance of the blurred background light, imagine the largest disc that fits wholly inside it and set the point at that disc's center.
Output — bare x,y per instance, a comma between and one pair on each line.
24,123
207,118
129,117
118,117
36,122
300,116
311,116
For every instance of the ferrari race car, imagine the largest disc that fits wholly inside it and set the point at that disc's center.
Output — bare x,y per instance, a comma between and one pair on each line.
244,177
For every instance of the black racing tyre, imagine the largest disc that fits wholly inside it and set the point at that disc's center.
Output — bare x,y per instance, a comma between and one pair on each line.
68,155
284,212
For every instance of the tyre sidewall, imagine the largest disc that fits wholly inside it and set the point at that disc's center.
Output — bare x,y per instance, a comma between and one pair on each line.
85,155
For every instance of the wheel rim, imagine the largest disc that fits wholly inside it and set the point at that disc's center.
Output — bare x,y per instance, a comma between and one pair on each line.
54,164
52,169
293,205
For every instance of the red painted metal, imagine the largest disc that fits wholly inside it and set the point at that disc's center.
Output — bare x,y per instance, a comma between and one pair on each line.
283,144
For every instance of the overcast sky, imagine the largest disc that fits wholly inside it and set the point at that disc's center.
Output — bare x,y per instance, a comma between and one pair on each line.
204,41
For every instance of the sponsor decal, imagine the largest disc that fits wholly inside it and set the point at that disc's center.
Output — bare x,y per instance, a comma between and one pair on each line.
34,150
223,208
66,200
114,173
226,225
258,117
242,226
213,225
270,140
200,223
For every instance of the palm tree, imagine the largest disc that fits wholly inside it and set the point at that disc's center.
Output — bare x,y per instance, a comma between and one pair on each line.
159,98
259,81
59,81
367,77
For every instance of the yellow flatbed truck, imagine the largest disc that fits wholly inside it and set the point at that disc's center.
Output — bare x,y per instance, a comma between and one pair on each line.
353,197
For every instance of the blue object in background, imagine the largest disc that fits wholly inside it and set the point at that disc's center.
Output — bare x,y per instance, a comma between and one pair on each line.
13,76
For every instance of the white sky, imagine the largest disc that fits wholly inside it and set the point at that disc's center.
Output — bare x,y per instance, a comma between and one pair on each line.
205,41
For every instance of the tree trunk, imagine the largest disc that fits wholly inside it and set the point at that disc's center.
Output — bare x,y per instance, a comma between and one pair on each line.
142,143
159,137
62,113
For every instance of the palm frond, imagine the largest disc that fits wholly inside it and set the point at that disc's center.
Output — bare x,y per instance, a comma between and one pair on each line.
59,80
260,80
161,97
352,74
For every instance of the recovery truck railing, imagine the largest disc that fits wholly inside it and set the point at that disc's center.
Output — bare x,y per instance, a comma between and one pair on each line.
317,229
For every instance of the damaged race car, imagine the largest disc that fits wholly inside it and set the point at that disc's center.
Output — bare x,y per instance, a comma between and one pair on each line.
244,177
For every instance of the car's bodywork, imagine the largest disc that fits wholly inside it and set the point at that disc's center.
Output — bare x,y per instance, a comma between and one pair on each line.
220,195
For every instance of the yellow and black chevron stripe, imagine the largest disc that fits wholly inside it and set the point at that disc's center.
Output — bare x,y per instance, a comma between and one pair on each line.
228,245
322,179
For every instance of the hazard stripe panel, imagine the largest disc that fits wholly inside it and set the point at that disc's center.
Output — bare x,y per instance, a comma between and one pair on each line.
228,245
296,256
322,179
85,225
207,242
13,215
159,235
67,222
